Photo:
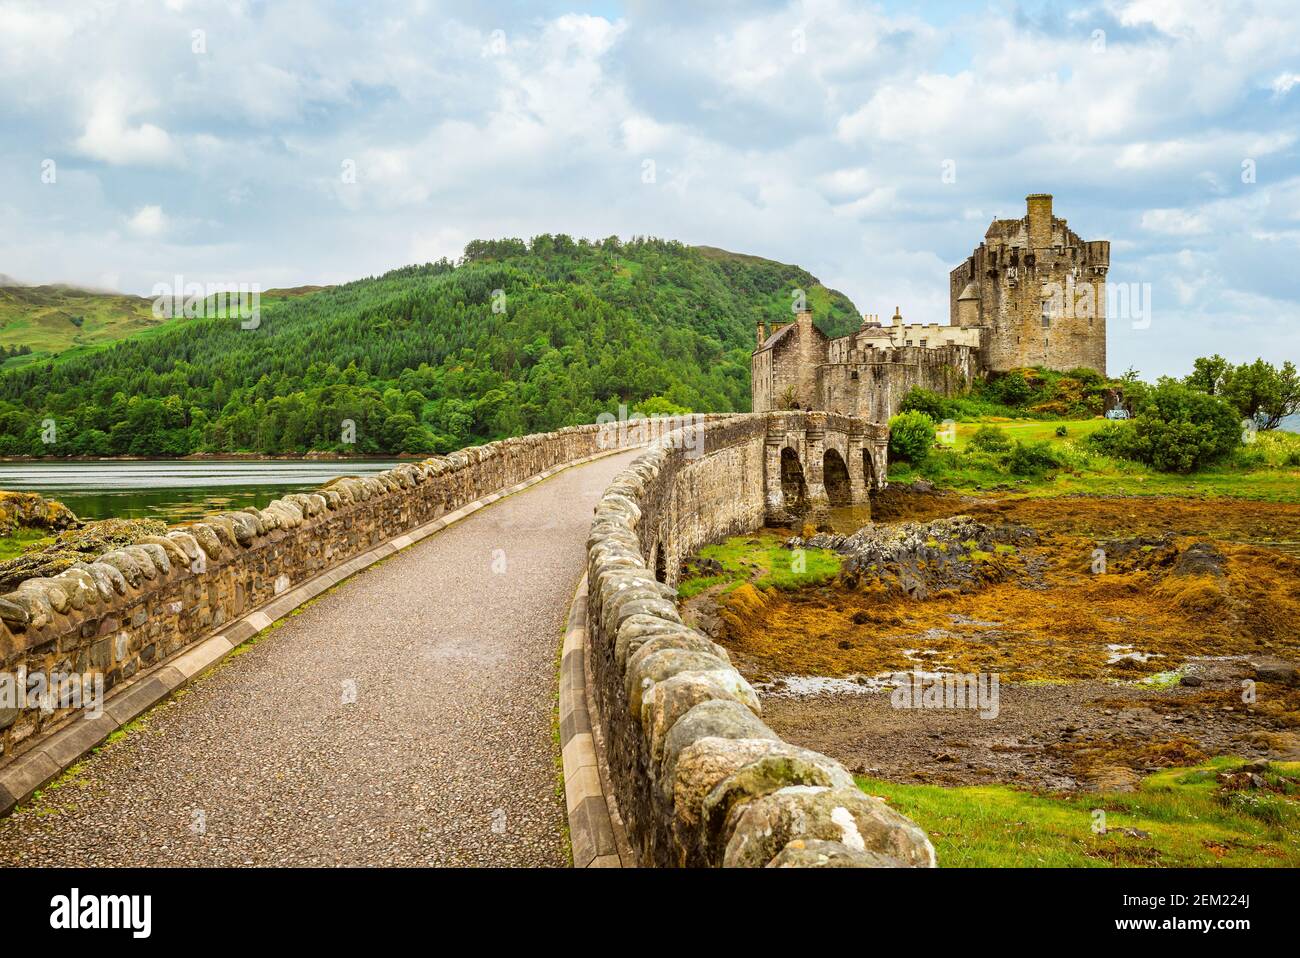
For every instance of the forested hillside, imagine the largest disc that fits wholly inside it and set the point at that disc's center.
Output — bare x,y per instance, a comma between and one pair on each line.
519,337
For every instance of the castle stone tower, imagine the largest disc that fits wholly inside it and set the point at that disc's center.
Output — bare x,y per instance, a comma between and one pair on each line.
1036,291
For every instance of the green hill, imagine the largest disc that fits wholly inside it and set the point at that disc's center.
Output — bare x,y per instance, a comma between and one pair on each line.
54,319
520,337
51,319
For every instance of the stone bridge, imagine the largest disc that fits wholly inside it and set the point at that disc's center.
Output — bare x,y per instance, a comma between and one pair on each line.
814,461
405,712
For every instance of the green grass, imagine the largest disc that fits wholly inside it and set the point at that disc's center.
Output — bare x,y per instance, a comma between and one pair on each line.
1258,471
1032,429
20,540
1189,822
761,557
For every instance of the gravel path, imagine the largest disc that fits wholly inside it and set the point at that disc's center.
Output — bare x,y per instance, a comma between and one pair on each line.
446,757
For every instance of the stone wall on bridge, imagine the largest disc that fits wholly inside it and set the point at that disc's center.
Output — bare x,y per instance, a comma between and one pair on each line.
118,614
699,778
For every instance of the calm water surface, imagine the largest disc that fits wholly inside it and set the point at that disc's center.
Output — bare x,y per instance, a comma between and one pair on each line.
171,490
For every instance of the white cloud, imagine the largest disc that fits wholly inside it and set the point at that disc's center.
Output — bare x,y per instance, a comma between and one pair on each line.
1175,222
148,222
110,136
1284,83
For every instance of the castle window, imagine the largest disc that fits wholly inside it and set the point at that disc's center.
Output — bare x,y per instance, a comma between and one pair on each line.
923,342
1047,313
909,342
853,375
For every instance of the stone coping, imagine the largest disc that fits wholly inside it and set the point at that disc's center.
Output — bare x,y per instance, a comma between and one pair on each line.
63,746
699,778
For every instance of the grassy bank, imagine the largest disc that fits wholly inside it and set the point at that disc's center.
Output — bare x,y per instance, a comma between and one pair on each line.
20,540
762,557
1263,470
1178,817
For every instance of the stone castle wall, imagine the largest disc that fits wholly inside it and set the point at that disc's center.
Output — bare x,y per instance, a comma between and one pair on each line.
132,608
700,779
874,386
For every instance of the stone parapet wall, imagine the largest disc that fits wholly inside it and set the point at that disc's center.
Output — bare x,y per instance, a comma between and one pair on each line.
699,778
131,608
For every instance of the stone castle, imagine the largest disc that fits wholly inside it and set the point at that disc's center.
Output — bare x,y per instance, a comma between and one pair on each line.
1032,294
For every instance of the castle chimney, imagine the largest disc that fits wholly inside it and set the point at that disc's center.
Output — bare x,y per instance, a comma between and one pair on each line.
1040,220
898,317
762,333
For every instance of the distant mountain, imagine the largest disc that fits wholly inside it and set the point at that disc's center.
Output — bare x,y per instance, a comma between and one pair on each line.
520,337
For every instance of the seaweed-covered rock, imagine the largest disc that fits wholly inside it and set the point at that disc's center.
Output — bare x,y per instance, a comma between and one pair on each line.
1199,558
34,565
920,558
33,511
94,538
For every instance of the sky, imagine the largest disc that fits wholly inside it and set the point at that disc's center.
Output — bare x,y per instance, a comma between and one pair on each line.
284,143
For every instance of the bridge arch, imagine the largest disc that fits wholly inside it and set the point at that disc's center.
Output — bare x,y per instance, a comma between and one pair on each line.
835,477
794,485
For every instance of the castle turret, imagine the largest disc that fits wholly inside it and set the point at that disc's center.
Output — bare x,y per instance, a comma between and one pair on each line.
968,307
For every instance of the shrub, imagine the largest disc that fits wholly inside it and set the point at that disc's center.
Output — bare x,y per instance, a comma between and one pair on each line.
1013,389
1177,429
911,436
1031,458
1062,431
923,400
990,439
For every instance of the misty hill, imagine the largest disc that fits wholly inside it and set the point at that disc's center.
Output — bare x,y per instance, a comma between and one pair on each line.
428,358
